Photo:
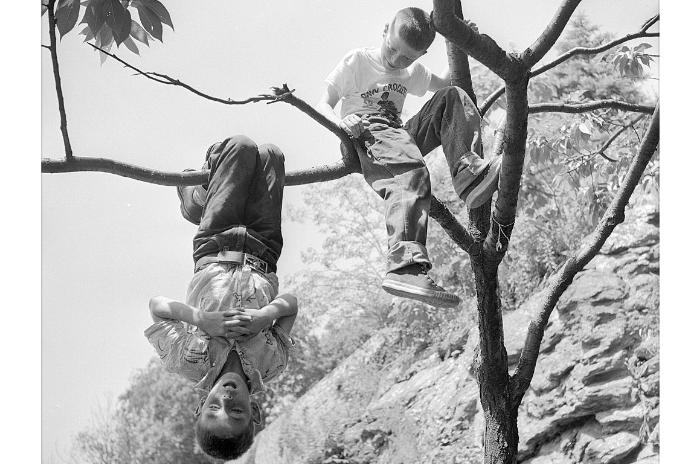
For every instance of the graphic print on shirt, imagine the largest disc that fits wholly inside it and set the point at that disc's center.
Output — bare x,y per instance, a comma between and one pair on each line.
387,100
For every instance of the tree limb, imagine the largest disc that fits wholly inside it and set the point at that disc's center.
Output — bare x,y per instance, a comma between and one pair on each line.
547,300
452,227
458,62
533,54
280,94
612,138
153,176
57,78
479,46
491,99
589,106
513,146
347,165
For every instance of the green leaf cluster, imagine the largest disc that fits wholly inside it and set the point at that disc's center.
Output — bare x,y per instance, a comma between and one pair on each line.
631,62
109,22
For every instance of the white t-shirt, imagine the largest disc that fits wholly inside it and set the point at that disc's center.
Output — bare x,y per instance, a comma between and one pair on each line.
365,86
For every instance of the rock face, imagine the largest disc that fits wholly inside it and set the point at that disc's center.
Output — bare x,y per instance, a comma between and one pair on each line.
594,397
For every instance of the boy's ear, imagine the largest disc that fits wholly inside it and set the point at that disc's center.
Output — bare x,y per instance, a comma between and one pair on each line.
255,410
386,30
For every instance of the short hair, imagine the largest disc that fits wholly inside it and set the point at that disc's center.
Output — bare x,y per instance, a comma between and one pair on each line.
414,27
224,448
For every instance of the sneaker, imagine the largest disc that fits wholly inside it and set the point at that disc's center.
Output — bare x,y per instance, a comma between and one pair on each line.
413,282
483,187
192,199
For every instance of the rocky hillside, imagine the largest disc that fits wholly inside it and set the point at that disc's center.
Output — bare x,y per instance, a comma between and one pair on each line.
594,398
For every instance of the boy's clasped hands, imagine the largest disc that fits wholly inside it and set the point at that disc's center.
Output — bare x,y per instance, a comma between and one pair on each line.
237,324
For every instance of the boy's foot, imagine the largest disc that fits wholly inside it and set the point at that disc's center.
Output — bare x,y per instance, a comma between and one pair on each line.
192,199
413,282
482,188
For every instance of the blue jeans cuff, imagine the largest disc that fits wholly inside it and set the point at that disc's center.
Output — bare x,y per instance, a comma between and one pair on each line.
404,253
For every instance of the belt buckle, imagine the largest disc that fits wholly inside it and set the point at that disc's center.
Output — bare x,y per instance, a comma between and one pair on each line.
255,263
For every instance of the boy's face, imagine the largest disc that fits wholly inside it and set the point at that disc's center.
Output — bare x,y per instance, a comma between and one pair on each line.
395,52
228,410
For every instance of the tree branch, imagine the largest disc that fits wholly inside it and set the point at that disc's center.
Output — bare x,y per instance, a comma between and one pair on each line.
612,138
172,178
513,146
57,78
546,41
452,227
349,152
167,80
347,165
491,99
479,46
589,106
547,299
458,61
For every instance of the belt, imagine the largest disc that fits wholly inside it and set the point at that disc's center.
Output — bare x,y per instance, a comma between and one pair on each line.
233,257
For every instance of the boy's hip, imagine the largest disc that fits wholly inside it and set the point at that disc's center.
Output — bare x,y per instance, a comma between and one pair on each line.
383,142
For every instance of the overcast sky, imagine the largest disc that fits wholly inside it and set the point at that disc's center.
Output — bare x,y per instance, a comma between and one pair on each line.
108,244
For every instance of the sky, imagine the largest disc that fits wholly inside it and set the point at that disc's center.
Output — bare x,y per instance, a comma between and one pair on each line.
108,244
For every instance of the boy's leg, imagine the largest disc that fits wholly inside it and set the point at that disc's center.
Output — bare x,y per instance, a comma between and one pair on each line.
394,167
263,211
450,119
233,167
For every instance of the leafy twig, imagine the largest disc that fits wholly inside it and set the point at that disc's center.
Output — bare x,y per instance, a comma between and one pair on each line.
165,79
612,138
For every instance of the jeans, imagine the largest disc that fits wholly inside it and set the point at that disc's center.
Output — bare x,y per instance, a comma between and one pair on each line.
392,164
243,208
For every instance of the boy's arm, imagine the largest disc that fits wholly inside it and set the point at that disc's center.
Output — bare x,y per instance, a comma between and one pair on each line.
441,81
213,323
286,321
351,124
282,310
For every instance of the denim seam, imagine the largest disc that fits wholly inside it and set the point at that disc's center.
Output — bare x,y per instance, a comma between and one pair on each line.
396,181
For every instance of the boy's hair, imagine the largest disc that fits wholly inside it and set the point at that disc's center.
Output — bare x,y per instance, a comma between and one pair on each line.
224,448
414,27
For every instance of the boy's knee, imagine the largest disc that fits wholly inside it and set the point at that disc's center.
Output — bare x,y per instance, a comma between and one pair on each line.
240,145
421,181
271,153
457,93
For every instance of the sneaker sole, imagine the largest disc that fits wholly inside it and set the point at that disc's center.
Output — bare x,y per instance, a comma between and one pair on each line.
183,209
484,191
433,298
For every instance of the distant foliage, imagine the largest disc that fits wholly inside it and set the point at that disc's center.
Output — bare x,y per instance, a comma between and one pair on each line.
109,22
572,175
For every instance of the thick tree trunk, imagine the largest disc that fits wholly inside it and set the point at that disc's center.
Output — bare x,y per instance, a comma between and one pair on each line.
500,411
498,403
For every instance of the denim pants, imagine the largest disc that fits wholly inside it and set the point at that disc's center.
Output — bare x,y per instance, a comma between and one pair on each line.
243,208
392,164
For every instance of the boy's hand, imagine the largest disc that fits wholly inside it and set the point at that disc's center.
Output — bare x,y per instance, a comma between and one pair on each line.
224,323
247,324
353,125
